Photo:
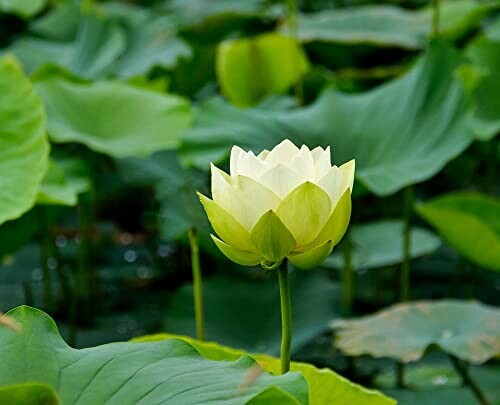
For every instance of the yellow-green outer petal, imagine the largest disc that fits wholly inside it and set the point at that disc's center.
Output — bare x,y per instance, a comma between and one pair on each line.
312,258
236,255
337,224
305,211
224,224
272,238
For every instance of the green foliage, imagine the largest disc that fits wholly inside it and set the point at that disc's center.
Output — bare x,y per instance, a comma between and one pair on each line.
24,147
237,317
468,222
420,117
132,121
248,70
55,188
22,8
128,373
467,330
28,394
325,386
380,244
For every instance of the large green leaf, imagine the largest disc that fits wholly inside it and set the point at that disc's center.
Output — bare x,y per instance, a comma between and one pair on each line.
246,313
403,132
386,25
97,45
468,222
380,244
467,330
131,373
24,147
113,118
28,394
251,69
22,8
325,386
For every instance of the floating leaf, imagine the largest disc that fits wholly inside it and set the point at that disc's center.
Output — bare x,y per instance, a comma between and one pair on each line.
22,8
250,69
129,373
132,121
28,394
405,131
386,25
467,330
380,244
55,189
24,147
325,386
246,314
468,222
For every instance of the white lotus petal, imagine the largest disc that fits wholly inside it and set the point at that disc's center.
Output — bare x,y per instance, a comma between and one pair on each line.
281,180
283,153
251,166
347,176
331,184
322,161
303,164
220,183
262,155
236,153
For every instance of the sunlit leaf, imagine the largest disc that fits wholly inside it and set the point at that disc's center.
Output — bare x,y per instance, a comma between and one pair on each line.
22,8
28,394
467,330
131,121
468,222
250,69
380,244
325,386
24,147
130,373
405,131
55,189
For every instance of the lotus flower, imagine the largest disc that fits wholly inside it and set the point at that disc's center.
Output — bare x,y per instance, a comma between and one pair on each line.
284,203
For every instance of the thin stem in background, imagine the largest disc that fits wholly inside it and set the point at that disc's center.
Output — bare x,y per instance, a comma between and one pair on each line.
197,284
404,281
286,316
84,283
347,278
463,370
45,256
435,18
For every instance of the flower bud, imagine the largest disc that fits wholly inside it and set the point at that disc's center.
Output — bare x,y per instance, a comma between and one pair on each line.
284,203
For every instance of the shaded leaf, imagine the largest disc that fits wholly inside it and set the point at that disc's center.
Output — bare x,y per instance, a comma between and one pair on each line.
380,244
132,121
424,129
386,25
24,147
246,313
55,189
470,223
129,373
467,330
325,386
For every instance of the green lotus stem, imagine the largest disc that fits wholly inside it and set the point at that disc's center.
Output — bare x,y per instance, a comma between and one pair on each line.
45,254
347,278
400,374
197,284
435,18
84,283
463,370
404,282
286,316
